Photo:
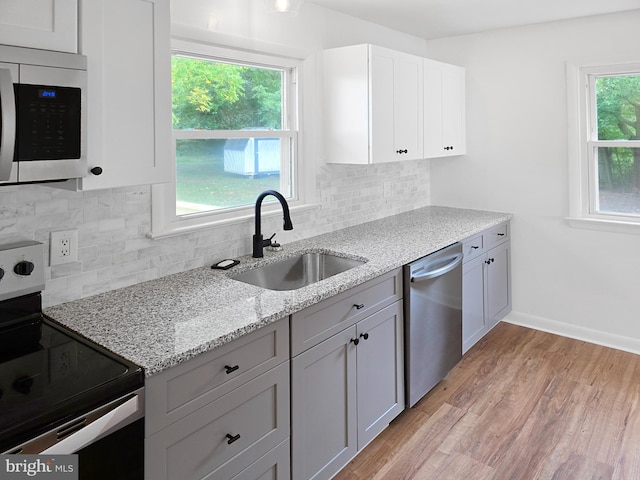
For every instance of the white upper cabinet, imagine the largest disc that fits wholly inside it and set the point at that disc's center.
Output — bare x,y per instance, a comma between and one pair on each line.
444,110
127,44
44,24
373,105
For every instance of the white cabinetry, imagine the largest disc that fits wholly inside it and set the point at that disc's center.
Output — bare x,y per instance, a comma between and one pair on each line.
127,44
347,381
223,414
486,283
44,24
373,105
444,110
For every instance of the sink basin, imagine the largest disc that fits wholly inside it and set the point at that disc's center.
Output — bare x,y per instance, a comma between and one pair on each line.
298,271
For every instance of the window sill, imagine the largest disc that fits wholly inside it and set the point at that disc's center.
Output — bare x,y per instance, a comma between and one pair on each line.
605,225
176,228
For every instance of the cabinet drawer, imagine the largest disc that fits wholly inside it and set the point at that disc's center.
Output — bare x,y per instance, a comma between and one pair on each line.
274,465
176,392
472,247
496,235
319,322
223,437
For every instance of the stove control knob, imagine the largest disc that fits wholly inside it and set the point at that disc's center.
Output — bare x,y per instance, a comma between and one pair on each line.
24,268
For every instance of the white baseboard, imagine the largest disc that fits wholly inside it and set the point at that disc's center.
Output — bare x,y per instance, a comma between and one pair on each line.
598,337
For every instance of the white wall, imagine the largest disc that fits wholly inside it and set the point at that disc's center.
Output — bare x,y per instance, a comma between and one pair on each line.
114,250
577,282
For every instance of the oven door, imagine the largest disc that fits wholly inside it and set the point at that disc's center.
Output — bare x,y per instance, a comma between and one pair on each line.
109,440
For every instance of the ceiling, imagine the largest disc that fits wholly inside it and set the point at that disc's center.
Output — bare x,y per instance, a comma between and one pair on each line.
444,18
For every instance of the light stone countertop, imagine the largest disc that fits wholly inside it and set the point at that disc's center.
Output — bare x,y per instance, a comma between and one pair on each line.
163,322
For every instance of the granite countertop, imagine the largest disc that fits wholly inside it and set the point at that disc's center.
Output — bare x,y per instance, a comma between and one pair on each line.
163,322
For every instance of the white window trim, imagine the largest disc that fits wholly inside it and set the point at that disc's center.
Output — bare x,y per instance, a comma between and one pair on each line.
164,222
580,168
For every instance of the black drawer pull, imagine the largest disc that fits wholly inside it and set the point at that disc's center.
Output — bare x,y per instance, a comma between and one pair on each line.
231,369
501,234
232,438
359,306
475,247
365,336
355,341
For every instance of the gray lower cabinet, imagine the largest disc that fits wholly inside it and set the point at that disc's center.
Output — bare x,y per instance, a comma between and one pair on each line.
486,282
223,414
346,388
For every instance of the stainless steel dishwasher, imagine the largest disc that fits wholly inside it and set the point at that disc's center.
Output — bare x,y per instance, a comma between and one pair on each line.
433,319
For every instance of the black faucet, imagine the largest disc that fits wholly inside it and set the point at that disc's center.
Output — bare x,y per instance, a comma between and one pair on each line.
258,242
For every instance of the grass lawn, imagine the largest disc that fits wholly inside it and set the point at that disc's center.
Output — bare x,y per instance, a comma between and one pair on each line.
201,178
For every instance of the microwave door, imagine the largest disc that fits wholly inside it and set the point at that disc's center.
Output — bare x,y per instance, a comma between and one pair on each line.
7,123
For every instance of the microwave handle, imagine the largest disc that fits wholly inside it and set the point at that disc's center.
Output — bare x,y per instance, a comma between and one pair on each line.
8,125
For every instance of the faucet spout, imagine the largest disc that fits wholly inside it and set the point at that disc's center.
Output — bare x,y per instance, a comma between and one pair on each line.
258,242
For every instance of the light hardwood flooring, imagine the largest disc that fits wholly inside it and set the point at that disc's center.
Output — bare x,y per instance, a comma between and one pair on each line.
521,405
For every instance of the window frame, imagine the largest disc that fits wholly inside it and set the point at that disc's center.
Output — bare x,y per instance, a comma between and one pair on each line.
583,144
164,220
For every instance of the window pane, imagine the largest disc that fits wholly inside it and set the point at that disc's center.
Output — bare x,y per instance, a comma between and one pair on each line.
618,107
223,173
618,180
210,95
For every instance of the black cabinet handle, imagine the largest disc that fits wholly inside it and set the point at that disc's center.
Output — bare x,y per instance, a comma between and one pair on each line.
488,262
449,147
96,170
231,369
365,336
359,306
402,151
501,234
355,341
475,247
232,438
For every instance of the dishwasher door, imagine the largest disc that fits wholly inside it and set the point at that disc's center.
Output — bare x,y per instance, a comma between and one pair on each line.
433,319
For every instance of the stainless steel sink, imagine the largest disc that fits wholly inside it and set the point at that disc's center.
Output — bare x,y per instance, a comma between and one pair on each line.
298,271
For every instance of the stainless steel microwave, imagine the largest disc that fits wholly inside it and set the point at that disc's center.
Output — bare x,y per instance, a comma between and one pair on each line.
42,115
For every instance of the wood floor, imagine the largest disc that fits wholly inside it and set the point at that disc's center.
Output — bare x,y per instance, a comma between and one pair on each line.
521,405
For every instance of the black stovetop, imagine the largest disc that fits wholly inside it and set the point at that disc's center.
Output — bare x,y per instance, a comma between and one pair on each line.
49,375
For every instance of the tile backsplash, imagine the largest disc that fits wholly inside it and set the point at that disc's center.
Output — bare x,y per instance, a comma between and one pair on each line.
115,251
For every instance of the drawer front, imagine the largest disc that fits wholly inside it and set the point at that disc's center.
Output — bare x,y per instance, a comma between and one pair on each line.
183,389
319,322
222,438
496,235
472,247
273,466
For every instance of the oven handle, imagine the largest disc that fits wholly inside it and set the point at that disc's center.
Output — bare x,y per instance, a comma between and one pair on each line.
118,416
7,122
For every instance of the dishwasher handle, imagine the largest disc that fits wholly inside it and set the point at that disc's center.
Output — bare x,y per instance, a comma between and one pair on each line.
455,261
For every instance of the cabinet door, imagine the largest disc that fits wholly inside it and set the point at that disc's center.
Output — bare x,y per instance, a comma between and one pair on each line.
396,105
473,314
453,110
323,407
444,110
129,101
380,371
382,64
498,286
44,24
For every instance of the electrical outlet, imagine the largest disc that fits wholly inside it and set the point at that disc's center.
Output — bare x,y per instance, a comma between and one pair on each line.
386,189
63,247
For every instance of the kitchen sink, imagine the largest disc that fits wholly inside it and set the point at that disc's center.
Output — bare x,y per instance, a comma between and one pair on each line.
298,271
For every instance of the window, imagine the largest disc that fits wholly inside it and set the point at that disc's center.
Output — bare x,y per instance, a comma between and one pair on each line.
608,154
235,134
